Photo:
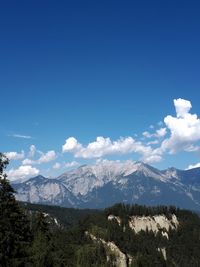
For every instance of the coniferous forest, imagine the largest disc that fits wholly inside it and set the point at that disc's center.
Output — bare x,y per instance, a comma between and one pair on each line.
45,236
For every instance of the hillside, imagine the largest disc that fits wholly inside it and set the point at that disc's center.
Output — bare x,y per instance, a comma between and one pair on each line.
125,235
65,217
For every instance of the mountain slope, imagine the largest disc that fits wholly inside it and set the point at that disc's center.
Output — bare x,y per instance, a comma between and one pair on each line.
109,182
43,190
120,236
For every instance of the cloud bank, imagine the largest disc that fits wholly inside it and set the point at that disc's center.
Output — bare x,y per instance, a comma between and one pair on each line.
177,133
181,133
44,158
22,173
105,146
15,155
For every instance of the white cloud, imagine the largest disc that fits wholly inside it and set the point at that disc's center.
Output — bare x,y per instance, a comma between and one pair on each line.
197,165
158,134
49,156
22,173
184,128
154,142
180,133
14,155
104,146
161,132
28,162
71,145
147,134
182,107
56,166
32,151
72,164
44,158
21,136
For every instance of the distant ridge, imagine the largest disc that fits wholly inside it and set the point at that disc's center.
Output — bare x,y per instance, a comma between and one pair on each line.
108,182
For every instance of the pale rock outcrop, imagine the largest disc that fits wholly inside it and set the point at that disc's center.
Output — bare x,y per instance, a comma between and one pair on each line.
163,251
122,260
153,223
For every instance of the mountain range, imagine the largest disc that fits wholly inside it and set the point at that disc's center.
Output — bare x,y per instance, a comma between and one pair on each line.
108,182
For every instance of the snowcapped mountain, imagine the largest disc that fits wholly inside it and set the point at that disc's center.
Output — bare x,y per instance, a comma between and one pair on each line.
108,182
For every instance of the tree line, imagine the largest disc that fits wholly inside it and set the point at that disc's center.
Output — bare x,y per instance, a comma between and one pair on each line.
29,239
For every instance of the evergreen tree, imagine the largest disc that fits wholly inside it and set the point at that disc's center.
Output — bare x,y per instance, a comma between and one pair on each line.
14,226
42,246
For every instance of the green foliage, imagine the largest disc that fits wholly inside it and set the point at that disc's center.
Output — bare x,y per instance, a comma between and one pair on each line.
124,211
67,217
91,255
29,237
41,250
15,235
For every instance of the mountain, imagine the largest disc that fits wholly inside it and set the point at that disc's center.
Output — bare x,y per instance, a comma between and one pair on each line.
43,190
109,182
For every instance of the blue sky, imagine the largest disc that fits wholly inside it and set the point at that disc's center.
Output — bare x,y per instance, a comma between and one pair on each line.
88,69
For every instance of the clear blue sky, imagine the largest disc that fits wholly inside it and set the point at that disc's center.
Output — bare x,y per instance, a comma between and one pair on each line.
84,69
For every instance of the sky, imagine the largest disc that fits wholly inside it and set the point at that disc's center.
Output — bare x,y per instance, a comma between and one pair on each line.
85,81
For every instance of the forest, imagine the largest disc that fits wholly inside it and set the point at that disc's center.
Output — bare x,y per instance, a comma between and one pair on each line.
45,236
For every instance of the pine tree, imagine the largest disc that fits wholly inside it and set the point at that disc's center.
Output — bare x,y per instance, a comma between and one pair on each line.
42,245
14,226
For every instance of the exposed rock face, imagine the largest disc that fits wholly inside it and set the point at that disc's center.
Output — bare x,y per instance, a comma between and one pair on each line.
108,182
117,218
121,259
44,190
163,251
154,223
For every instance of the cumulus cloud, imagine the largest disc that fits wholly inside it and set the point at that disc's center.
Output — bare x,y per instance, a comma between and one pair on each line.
154,142
15,155
182,107
22,173
71,145
158,134
184,128
56,166
28,162
71,164
44,158
32,151
181,133
192,166
49,156
161,132
105,146
147,134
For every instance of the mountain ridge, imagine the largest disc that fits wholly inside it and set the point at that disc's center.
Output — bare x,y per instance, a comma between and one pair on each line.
109,182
